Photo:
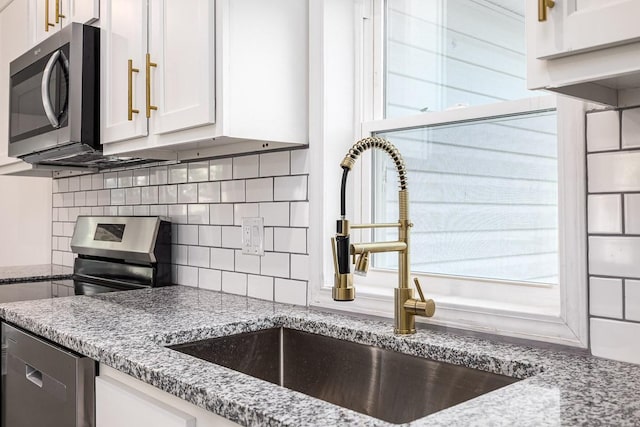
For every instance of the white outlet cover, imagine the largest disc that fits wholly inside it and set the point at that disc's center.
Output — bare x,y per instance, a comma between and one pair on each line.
253,236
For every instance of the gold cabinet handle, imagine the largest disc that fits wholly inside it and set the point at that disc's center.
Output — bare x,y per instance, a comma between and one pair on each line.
149,106
47,24
131,110
58,14
542,9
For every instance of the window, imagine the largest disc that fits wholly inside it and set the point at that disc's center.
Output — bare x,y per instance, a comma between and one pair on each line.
496,172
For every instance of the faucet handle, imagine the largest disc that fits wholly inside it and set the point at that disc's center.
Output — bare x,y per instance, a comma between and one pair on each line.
419,288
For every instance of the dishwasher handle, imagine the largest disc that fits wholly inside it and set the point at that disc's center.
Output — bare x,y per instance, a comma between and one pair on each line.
33,375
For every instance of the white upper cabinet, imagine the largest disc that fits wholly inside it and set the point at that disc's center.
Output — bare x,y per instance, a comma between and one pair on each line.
222,78
49,16
585,48
123,47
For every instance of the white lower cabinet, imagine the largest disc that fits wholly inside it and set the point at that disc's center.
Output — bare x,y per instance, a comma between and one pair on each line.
123,401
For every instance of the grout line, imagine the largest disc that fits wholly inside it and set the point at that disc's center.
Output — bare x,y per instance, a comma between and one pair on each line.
624,286
622,222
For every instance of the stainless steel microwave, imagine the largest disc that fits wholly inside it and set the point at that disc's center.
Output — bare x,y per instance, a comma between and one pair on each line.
54,105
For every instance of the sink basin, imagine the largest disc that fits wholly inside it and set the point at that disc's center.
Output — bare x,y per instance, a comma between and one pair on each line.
391,386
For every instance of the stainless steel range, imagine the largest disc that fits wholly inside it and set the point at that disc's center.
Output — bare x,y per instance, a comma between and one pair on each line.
121,253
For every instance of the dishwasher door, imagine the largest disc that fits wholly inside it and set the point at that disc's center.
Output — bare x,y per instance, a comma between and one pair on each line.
44,385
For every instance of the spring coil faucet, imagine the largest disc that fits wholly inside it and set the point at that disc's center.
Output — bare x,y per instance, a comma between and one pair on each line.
406,307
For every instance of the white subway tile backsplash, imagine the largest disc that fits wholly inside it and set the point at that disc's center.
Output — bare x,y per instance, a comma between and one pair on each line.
85,210
177,173
209,192
300,267
245,167
63,214
125,179
85,182
268,238
293,240
67,259
615,340
198,256
221,169
74,183
603,131
67,229
188,193
67,199
632,300
275,214
72,214
290,291
149,195
55,214
132,196
141,177
117,196
299,214
234,283
274,164
614,256
56,257
57,200
247,263
125,210
63,185
244,210
614,172
632,213
187,234
275,264
631,128
104,197
290,187
97,211
209,279
232,191
97,181
198,171
605,213
259,190
159,210
198,214
232,237
299,162
79,198
179,254
111,210
141,210
222,259
111,180
168,194
158,175
605,297
57,228
221,214
187,276
260,287
210,235
178,213
91,198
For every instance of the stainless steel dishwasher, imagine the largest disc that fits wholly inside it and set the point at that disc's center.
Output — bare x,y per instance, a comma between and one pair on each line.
44,385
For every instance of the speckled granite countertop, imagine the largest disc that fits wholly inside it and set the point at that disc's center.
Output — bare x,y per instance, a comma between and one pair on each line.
32,273
559,389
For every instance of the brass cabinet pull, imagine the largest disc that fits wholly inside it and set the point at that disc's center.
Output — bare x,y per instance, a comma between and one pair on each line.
542,9
149,106
58,14
47,24
131,110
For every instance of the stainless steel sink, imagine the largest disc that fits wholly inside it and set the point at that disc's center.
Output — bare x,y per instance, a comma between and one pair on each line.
391,386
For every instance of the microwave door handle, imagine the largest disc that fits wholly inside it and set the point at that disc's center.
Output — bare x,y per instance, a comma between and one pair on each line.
46,97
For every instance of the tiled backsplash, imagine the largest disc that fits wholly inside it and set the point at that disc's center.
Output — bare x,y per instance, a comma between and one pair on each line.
613,169
206,201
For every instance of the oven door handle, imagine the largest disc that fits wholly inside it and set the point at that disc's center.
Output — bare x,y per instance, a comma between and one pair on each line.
46,97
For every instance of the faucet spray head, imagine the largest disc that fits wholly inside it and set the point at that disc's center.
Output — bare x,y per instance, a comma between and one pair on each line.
362,265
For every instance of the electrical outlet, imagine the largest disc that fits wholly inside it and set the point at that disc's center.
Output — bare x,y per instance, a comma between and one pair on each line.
253,236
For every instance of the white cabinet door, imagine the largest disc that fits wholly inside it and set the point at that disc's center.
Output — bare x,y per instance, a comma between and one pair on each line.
118,405
574,26
123,37
181,43
14,41
42,20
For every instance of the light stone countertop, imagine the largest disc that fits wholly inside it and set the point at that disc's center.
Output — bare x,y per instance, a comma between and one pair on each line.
561,388
33,273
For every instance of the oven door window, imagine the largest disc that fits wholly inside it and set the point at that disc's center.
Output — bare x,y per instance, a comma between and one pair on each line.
39,96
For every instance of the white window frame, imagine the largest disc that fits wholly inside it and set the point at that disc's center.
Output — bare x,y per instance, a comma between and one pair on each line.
526,310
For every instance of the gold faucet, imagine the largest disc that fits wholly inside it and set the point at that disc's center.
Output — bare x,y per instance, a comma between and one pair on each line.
406,307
